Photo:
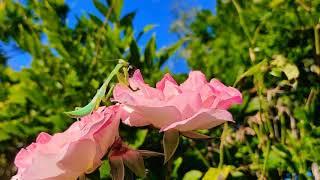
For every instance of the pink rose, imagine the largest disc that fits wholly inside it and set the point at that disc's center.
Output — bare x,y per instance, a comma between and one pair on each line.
194,104
72,153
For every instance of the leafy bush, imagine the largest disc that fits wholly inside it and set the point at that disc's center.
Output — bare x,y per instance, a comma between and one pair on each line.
268,49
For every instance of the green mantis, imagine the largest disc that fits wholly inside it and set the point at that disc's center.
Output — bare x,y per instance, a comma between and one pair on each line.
95,102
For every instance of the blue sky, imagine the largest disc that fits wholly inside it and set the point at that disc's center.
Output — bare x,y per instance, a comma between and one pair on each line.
159,12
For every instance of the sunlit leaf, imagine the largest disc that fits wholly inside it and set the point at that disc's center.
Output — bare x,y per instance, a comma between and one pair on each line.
256,69
104,169
217,173
176,165
116,6
192,175
291,71
101,7
167,52
141,135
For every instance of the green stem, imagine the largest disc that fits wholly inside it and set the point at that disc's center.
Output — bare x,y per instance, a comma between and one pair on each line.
241,19
169,169
94,60
205,162
221,155
316,39
266,160
283,128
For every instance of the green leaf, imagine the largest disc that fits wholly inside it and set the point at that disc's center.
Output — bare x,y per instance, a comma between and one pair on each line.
258,68
116,6
192,175
176,165
217,173
149,27
127,19
35,96
101,7
104,169
134,53
140,136
16,94
4,136
254,105
150,51
96,20
291,71
237,174
165,53
275,3
276,72
170,144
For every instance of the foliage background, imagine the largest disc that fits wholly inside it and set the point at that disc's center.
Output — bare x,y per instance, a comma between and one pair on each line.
269,49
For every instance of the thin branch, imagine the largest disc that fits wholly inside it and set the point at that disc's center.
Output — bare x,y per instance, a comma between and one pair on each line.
242,21
94,61
221,154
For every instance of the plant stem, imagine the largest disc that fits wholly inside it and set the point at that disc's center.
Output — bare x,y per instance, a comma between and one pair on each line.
94,60
266,160
241,19
169,168
316,39
221,155
205,162
283,128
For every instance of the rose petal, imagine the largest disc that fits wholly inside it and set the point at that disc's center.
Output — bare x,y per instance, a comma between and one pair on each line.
194,82
187,103
159,116
170,90
43,138
205,119
166,78
132,118
226,95
73,152
78,157
136,79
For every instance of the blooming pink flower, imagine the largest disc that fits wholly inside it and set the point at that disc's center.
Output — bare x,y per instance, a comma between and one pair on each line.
76,151
194,104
